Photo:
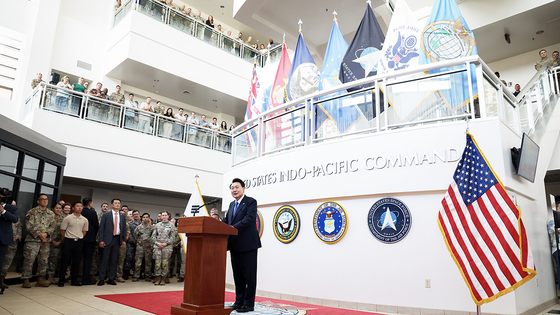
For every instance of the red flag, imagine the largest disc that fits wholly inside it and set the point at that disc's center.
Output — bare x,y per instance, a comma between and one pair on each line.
483,231
281,79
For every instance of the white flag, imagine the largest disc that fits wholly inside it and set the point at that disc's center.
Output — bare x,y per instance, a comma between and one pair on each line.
195,200
401,47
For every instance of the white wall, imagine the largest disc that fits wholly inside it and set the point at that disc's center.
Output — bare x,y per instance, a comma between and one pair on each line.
521,68
359,268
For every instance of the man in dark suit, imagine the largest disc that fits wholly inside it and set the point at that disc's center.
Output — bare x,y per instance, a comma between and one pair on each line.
8,215
89,240
243,247
112,235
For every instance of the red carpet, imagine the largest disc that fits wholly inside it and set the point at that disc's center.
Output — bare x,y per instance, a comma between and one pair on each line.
160,303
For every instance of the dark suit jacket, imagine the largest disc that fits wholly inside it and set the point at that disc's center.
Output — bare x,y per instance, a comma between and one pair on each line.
106,228
244,221
91,234
6,220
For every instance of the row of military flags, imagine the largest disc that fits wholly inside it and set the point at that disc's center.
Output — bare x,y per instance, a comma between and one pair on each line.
481,226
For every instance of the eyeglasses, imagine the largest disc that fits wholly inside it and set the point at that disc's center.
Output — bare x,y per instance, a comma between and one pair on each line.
42,199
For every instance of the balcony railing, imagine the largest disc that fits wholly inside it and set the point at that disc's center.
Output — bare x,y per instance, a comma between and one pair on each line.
82,106
189,25
411,97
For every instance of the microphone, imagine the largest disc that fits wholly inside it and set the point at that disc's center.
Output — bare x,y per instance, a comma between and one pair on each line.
213,201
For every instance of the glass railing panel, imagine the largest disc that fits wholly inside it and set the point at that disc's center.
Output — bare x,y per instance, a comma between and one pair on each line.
428,99
208,34
181,22
246,144
250,54
131,118
221,142
541,84
170,128
275,53
509,113
146,122
102,111
490,98
62,100
523,115
284,130
345,114
154,9
230,45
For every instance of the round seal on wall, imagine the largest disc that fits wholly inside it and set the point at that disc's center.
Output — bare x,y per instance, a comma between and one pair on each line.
389,220
260,223
330,222
286,224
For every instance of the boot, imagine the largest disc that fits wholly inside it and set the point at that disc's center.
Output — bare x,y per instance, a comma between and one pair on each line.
41,282
26,284
120,279
4,285
49,279
134,279
166,280
157,280
92,279
148,279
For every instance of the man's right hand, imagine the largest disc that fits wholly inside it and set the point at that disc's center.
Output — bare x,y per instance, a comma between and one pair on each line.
43,237
102,244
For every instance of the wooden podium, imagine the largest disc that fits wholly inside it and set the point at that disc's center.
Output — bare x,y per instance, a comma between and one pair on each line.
205,266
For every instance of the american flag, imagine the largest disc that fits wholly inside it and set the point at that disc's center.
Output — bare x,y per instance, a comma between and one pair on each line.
483,230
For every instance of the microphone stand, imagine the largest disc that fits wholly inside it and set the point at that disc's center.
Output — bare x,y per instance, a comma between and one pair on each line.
194,209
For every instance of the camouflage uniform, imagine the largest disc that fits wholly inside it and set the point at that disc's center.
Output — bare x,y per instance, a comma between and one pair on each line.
175,259
35,82
131,247
164,232
96,254
158,110
542,62
12,248
143,237
38,222
122,254
56,254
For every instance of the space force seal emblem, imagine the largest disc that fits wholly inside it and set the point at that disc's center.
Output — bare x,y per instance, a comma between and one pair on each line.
389,220
286,224
330,222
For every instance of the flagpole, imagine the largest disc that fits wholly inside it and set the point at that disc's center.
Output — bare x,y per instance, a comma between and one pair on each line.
478,310
369,2
300,22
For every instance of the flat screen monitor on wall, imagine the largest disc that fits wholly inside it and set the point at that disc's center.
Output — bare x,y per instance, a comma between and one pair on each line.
525,158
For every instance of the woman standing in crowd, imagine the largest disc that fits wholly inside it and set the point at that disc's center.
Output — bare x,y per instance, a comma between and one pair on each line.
77,99
62,96
163,238
207,31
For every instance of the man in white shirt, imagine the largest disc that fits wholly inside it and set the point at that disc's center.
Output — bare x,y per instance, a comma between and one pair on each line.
144,120
193,129
203,134
129,112
73,229
180,115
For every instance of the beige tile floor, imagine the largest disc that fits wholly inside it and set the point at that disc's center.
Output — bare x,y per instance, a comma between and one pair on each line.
81,300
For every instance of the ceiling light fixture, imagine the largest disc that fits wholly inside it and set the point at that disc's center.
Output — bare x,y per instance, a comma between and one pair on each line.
187,92
214,100
540,32
222,6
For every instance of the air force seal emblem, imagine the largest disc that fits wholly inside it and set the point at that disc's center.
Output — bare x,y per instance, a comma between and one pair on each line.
330,222
389,220
286,224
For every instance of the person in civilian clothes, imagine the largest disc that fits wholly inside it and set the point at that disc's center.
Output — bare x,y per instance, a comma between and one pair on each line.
112,236
243,247
73,229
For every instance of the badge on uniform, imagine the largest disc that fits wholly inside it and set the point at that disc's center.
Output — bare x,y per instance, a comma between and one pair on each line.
389,220
330,222
286,224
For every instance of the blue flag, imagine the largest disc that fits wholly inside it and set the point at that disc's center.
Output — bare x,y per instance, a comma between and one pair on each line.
334,110
304,74
446,37
363,54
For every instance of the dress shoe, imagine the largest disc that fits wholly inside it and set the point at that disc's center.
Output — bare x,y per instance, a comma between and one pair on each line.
101,282
180,279
75,284
235,306
61,284
88,283
245,309
111,282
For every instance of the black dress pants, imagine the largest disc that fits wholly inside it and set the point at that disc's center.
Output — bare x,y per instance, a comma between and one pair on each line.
71,251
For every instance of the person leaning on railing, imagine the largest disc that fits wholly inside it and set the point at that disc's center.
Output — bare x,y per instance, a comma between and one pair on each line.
544,60
61,95
208,30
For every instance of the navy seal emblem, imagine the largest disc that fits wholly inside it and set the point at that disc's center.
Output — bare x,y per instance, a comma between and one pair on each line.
330,222
286,224
389,220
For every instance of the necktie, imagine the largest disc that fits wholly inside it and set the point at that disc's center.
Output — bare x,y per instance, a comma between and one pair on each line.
235,209
115,224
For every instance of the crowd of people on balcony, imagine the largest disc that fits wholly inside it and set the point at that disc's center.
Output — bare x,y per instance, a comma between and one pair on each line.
206,32
140,117
69,244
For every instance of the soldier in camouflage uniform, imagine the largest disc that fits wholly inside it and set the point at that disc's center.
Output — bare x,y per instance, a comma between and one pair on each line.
544,60
55,254
122,250
97,253
40,227
131,244
175,259
36,82
12,249
143,237
163,238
